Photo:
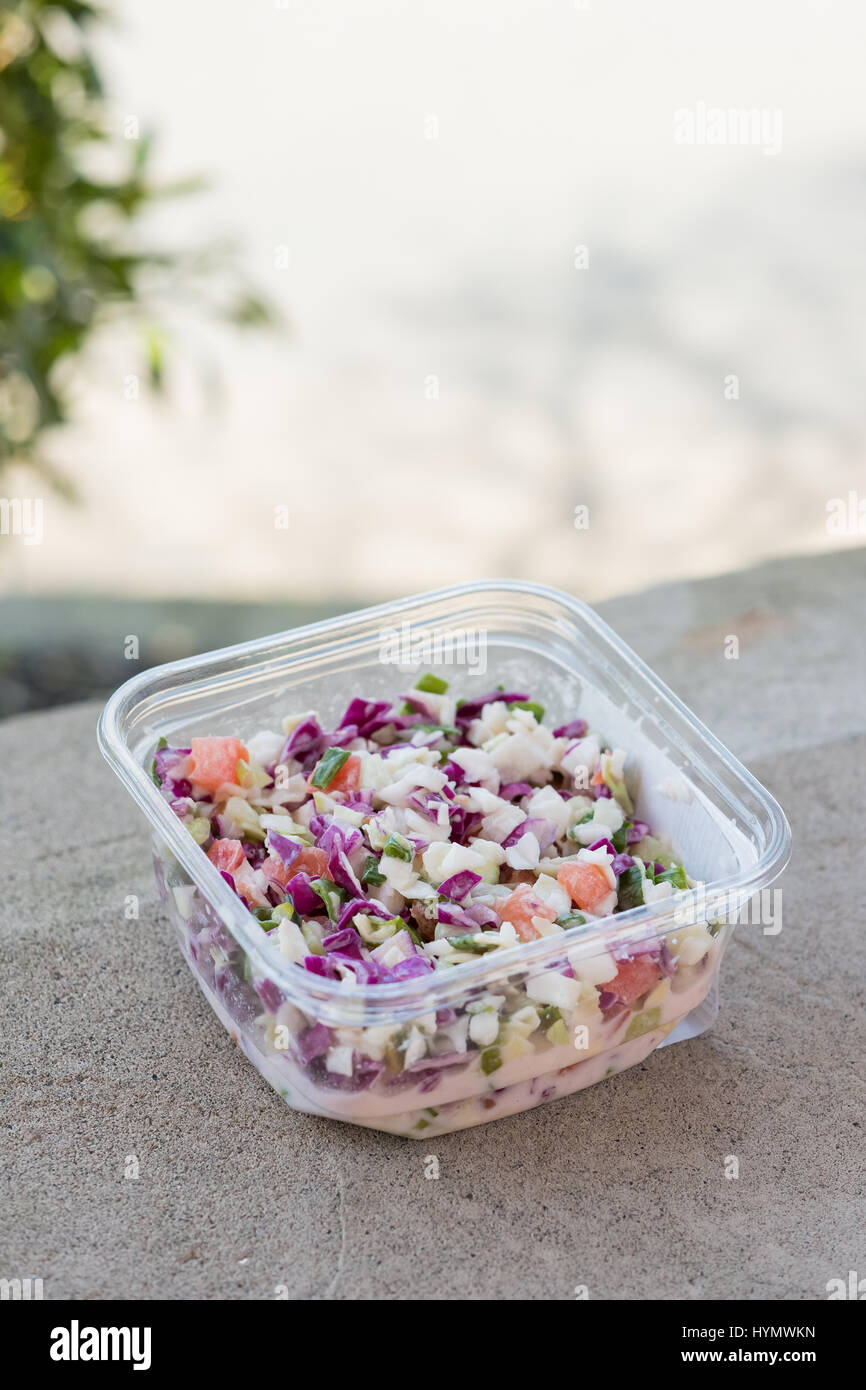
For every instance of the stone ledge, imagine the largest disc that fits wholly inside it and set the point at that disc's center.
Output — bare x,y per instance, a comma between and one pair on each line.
111,1050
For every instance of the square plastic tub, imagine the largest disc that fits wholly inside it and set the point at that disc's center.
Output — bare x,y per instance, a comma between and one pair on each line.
726,829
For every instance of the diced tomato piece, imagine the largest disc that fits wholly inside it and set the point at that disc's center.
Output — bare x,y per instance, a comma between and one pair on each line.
348,779
248,887
228,855
597,778
312,861
520,908
213,761
585,883
275,871
633,978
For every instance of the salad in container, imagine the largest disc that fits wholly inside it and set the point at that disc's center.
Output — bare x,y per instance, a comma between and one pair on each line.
435,882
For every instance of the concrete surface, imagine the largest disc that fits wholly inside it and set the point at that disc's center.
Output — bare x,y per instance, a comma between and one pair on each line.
110,1050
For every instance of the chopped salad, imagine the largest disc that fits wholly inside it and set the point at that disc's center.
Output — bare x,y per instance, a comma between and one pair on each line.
419,835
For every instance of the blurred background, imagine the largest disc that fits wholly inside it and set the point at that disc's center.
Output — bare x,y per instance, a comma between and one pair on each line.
312,303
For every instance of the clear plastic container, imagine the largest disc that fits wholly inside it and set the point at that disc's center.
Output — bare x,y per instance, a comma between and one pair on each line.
726,829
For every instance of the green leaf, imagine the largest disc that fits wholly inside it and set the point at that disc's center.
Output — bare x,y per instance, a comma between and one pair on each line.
248,311
155,348
629,891
65,233
676,876
619,838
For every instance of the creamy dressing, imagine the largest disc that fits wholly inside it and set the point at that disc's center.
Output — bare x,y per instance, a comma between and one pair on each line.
469,1097
526,1094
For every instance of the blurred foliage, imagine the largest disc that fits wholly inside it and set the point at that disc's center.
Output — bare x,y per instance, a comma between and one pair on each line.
69,259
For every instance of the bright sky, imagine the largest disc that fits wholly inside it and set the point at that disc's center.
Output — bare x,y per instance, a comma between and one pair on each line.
453,386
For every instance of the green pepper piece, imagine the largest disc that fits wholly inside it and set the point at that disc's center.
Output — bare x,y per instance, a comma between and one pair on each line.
398,847
643,1023
370,872
332,895
571,919
557,1033
431,684
532,705
328,766
549,1015
470,942
428,729
314,945
157,780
